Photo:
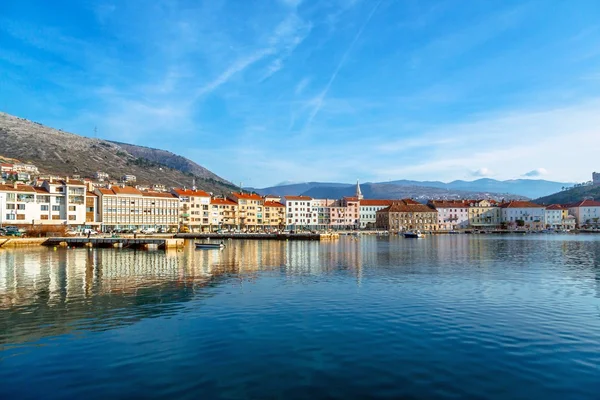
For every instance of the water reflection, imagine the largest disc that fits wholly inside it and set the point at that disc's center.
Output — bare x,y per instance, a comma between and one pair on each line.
45,292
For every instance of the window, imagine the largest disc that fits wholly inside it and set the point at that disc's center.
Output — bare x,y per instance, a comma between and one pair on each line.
72,217
10,206
44,207
55,208
21,217
10,197
55,217
10,216
45,216
20,206
71,208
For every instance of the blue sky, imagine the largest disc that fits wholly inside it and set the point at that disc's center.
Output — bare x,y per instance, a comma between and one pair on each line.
287,90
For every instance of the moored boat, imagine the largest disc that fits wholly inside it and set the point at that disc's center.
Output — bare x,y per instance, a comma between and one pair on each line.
413,235
209,246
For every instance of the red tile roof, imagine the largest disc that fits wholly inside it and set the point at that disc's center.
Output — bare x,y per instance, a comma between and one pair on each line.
72,182
105,191
372,202
192,193
450,203
520,204
407,205
223,201
91,194
555,207
584,203
273,204
39,189
298,198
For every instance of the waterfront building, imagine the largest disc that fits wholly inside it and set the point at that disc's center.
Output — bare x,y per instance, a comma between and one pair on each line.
586,212
368,211
352,210
274,217
18,205
250,210
299,212
484,214
554,216
407,215
517,214
223,214
128,208
322,207
67,196
452,214
194,209
92,217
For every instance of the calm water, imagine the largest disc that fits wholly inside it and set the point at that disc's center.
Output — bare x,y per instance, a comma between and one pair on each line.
444,317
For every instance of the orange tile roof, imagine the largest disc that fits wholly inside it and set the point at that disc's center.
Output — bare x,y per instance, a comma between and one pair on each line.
555,207
247,196
296,198
223,201
19,188
91,194
158,194
520,204
72,182
351,198
105,191
190,192
273,204
126,190
39,189
373,202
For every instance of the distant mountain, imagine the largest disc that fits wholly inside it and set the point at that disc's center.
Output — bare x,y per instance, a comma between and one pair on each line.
392,191
56,152
529,188
571,195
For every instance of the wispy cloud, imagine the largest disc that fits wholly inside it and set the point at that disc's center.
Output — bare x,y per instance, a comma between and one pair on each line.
536,172
482,172
317,102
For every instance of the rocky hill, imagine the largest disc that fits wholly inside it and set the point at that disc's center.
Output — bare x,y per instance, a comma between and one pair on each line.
56,152
571,195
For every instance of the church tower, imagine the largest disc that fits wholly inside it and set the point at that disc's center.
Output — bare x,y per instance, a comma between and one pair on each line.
359,195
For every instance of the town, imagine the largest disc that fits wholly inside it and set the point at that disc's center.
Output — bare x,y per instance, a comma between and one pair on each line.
29,199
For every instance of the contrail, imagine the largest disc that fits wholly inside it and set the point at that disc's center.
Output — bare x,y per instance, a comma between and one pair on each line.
321,97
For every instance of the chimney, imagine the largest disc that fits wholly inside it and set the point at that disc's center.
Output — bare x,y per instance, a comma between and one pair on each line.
15,184
67,179
51,180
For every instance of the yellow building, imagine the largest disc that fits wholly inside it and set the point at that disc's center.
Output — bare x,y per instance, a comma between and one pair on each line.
250,210
274,217
484,214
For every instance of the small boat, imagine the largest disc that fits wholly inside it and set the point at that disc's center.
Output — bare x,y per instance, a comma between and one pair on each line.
413,235
454,232
208,246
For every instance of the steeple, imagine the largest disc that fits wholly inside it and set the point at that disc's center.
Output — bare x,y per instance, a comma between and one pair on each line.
359,195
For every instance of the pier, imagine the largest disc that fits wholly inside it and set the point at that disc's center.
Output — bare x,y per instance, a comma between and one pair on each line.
138,243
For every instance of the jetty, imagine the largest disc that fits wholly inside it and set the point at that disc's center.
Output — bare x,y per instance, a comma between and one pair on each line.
137,243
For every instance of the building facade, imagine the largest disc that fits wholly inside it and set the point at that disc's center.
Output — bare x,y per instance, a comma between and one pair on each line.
586,212
368,212
452,214
194,209
407,215
484,214
523,214
250,210
223,214
274,217
128,208
299,212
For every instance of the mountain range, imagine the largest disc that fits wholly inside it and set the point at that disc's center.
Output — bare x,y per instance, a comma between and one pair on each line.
56,152
485,187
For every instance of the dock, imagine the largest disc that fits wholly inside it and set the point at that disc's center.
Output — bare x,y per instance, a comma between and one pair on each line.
138,243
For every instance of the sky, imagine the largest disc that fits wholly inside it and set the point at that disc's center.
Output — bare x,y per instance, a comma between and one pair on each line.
267,91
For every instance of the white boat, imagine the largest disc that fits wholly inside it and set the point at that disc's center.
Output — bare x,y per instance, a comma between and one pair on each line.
413,235
208,246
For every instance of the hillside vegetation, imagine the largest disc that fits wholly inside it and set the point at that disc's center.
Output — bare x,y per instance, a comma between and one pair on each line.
571,195
56,152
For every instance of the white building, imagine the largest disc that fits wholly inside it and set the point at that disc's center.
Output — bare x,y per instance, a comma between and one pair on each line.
554,216
128,178
299,212
101,176
523,214
368,211
452,214
52,203
586,212
29,168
